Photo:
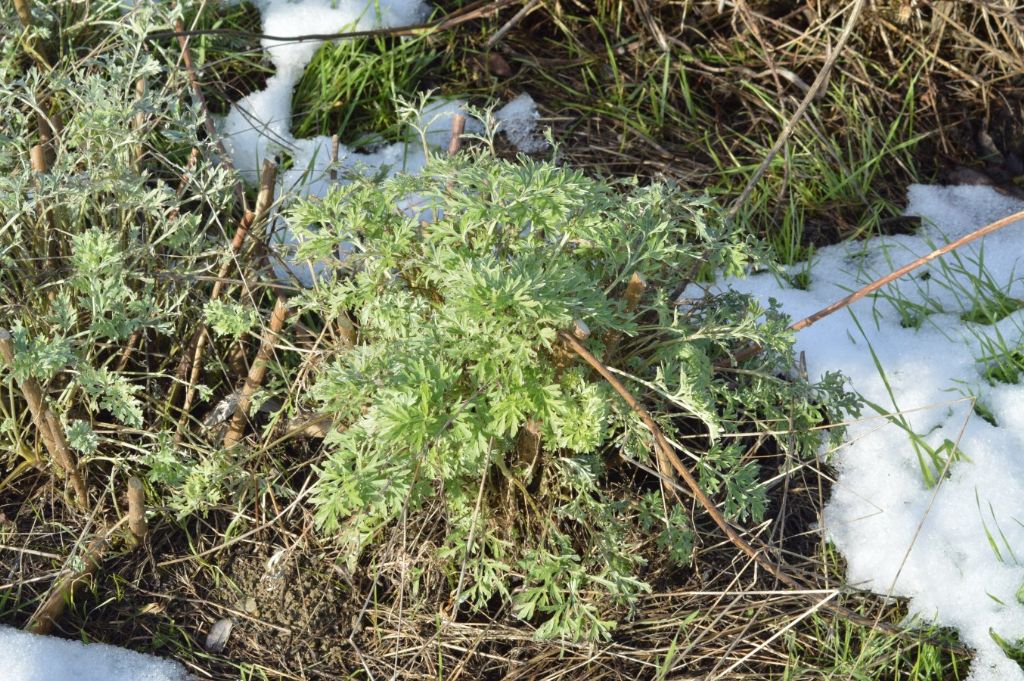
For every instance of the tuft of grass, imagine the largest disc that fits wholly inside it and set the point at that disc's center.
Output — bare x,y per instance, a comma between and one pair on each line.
933,460
231,65
353,87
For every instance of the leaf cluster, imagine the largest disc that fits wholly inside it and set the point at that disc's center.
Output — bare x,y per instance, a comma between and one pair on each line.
458,392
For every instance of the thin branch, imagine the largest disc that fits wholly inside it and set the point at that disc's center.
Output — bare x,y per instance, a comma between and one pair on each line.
752,350
197,92
477,10
249,220
665,450
256,373
666,453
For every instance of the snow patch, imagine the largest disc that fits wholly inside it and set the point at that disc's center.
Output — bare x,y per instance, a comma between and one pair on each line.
518,120
27,657
899,536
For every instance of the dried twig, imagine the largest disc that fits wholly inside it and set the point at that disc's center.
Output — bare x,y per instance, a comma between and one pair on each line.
634,289
812,93
476,10
335,148
47,424
664,449
63,592
665,452
511,23
256,373
752,350
264,200
197,92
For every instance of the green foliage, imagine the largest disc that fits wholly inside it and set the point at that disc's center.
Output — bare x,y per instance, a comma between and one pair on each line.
100,254
458,368
230,319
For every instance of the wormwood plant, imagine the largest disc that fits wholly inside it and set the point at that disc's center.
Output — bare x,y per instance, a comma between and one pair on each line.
458,400
99,253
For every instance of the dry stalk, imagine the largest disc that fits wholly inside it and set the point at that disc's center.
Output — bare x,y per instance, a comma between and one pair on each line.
197,92
47,424
41,54
752,350
63,592
816,86
511,23
480,9
664,449
249,220
256,373
137,510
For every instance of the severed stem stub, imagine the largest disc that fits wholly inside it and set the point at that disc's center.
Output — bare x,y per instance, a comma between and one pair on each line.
137,510
256,373
50,430
458,128
63,591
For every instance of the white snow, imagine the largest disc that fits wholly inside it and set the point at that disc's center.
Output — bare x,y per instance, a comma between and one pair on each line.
899,536
518,120
27,657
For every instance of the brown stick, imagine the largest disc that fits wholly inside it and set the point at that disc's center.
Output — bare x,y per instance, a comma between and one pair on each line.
139,121
264,200
256,373
458,127
37,158
819,82
474,10
665,450
47,424
137,510
511,23
52,608
752,350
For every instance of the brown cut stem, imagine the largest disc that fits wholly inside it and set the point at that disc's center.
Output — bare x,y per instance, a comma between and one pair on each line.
137,510
47,424
52,608
249,220
256,373
634,289
335,148
458,128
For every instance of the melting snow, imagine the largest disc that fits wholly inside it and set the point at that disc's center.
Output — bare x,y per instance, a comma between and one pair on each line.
27,657
900,536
